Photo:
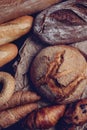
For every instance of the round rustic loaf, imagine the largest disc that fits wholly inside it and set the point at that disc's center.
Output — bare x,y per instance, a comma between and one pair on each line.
59,73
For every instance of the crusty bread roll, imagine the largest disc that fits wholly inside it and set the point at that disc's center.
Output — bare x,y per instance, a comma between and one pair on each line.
7,53
14,29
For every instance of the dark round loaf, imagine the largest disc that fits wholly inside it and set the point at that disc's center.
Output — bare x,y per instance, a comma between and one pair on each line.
59,73
63,23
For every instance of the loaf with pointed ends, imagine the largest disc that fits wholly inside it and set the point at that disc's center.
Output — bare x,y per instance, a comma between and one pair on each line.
59,73
20,98
44,118
11,116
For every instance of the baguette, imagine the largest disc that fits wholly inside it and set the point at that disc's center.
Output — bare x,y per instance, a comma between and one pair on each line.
14,29
10,9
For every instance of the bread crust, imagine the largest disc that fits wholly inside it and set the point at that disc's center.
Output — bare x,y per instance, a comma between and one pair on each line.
14,29
7,53
63,23
58,73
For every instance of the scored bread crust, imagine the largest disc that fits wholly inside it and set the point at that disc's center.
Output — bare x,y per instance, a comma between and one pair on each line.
63,23
59,73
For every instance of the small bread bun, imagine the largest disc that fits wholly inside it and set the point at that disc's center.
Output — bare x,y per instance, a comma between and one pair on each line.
59,74
7,53
8,87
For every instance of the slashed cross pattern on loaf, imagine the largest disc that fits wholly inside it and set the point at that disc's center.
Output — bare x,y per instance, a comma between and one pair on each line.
52,75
